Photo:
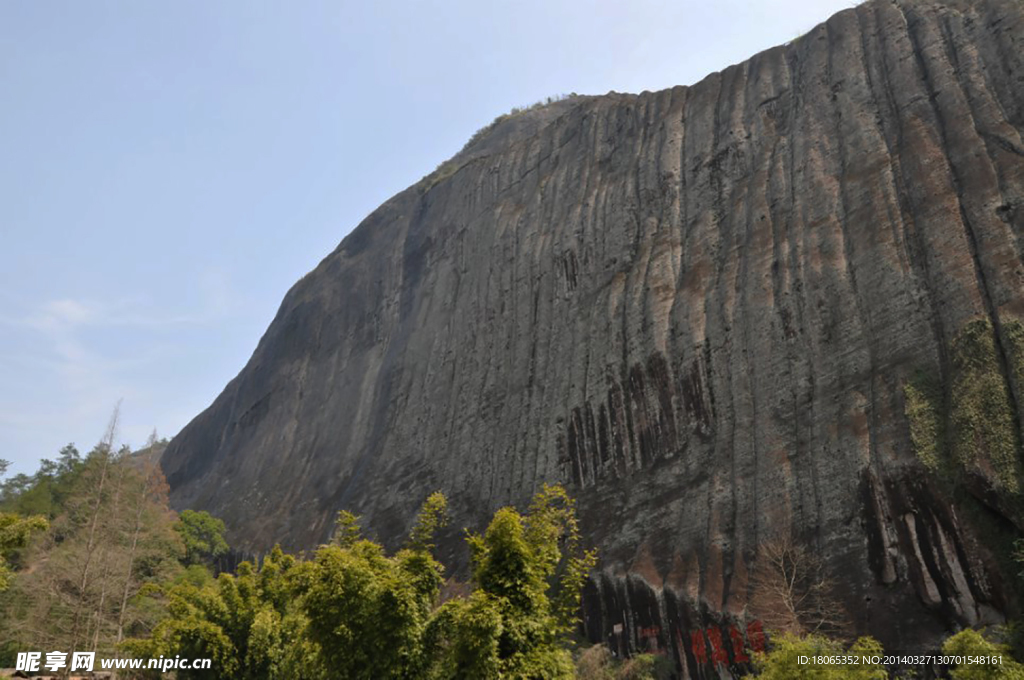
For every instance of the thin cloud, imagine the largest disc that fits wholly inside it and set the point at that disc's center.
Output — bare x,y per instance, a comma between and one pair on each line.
68,313
215,289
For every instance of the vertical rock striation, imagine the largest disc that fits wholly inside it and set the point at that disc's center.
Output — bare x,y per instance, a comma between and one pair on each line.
699,308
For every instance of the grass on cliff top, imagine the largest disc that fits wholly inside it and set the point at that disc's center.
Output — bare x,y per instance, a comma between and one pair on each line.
447,168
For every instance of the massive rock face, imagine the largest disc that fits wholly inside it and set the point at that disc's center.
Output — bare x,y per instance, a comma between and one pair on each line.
699,308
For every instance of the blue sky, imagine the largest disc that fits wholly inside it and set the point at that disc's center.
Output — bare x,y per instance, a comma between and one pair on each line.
169,168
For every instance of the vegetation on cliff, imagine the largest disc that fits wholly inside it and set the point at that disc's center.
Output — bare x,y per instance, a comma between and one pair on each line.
447,168
969,426
964,427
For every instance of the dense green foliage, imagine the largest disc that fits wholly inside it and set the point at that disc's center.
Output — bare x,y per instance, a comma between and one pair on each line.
529,571
248,624
203,536
354,611
46,492
368,611
973,643
15,532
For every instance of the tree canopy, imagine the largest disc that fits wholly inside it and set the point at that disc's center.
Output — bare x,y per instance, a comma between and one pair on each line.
203,536
355,611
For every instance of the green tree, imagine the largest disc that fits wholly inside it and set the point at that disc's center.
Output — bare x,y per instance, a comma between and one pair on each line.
462,639
433,515
247,623
203,535
346,530
529,571
972,643
367,611
15,532
45,492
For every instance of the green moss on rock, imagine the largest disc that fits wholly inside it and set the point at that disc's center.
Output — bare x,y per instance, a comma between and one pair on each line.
983,423
923,407
1013,334
975,426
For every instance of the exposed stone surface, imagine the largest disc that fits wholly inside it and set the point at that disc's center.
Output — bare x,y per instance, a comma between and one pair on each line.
698,308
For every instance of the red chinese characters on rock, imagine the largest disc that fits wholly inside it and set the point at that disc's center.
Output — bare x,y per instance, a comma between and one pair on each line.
719,656
700,650
649,637
739,653
712,636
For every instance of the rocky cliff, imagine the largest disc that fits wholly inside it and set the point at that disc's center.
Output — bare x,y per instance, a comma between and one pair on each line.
784,301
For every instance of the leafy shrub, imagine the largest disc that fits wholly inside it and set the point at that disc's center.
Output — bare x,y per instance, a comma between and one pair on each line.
973,643
785,662
598,663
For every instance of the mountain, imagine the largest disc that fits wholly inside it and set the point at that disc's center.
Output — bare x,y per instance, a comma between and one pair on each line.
786,301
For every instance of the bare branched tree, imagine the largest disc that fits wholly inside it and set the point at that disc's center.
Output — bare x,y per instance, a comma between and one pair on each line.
791,591
106,451
84,584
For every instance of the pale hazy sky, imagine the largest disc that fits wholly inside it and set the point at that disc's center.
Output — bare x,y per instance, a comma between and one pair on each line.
168,168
